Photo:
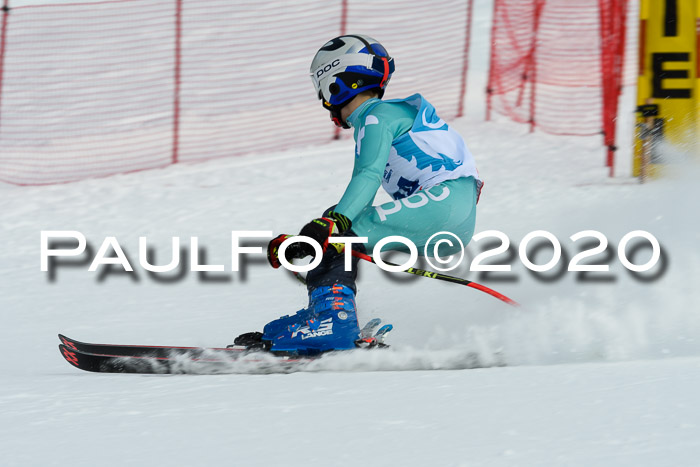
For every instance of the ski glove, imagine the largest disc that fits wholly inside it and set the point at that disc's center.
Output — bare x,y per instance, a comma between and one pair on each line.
319,229
273,250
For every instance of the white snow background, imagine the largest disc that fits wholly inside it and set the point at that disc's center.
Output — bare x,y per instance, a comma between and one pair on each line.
598,373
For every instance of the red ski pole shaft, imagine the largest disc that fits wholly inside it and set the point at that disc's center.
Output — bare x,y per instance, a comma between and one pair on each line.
443,277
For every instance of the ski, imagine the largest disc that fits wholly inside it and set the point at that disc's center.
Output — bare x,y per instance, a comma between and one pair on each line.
141,350
163,351
199,361
162,359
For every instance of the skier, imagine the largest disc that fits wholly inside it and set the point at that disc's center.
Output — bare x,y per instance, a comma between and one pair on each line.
402,145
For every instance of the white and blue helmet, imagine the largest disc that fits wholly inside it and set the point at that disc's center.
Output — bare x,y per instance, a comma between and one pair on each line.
346,66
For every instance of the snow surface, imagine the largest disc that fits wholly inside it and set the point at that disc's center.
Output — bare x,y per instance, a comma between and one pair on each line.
603,372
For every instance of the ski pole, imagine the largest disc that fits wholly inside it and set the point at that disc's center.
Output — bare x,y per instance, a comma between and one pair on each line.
443,277
431,275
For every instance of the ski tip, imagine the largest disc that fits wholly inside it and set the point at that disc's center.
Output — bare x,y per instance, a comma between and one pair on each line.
67,342
69,355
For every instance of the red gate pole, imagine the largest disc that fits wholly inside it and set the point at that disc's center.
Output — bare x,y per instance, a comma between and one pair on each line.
3,41
613,15
176,92
621,16
465,58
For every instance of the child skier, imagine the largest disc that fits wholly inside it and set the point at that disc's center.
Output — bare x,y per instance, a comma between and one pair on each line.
402,145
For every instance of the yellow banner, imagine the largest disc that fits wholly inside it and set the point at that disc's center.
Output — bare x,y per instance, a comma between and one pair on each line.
668,82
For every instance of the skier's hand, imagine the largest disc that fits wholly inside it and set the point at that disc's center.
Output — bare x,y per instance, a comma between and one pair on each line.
319,229
295,250
324,227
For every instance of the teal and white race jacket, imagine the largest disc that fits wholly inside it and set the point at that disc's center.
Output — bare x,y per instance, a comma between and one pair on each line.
404,146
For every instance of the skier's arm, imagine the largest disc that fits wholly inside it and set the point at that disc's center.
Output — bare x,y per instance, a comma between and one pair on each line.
373,143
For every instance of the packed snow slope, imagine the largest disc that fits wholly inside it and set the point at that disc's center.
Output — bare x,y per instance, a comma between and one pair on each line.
600,370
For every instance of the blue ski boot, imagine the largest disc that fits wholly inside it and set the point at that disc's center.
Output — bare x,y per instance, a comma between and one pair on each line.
330,323
254,340
276,327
